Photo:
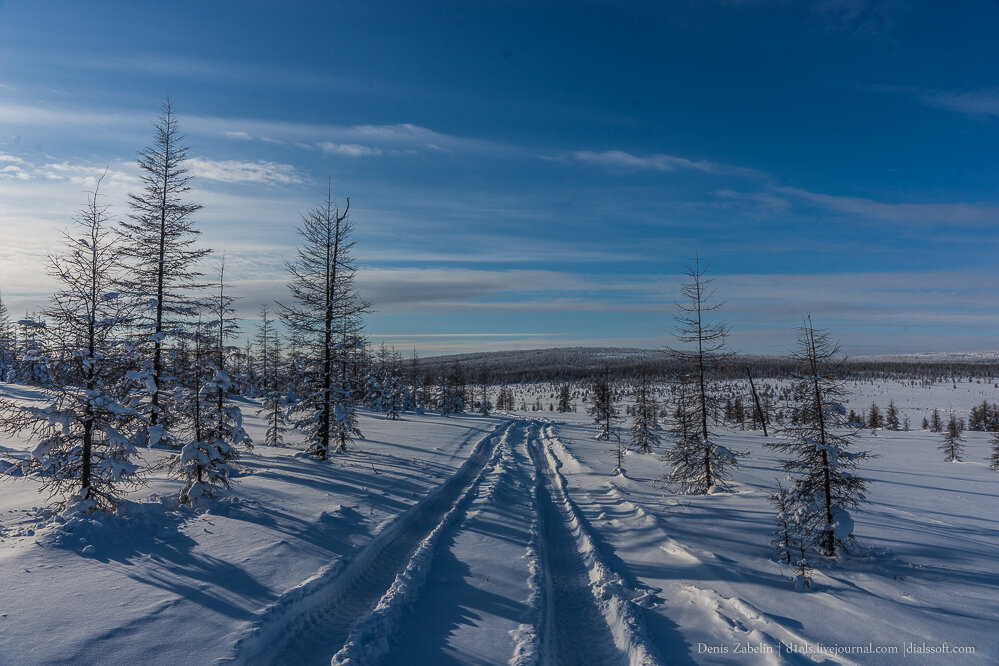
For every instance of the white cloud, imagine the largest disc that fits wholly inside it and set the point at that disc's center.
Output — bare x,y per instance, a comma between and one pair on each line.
235,171
348,149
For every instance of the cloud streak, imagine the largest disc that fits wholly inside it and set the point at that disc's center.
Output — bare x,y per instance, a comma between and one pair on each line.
912,213
245,172
625,161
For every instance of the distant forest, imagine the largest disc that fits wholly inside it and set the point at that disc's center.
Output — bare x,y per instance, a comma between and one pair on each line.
585,364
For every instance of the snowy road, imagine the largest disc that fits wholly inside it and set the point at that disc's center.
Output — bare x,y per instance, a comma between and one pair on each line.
494,566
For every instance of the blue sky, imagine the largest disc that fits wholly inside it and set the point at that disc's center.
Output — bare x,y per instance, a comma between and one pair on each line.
527,174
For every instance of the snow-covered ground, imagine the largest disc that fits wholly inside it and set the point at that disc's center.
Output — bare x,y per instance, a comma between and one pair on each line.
505,539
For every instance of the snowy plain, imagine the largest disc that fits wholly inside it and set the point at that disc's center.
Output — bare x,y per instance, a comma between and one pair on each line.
506,539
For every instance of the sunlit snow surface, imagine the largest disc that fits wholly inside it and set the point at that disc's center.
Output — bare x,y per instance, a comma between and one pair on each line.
506,539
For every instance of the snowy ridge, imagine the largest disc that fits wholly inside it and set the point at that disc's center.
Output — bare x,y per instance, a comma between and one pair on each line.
612,596
312,621
369,640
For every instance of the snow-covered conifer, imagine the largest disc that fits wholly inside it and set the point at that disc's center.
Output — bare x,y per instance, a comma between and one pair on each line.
208,460
602,409
952,443
892,420
711,461
160,241
645,426
324,317
86,434
6,344
564,399
820,462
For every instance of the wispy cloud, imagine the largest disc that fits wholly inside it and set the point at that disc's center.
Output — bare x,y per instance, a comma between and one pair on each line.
625,161
914,213
861,18
348,149
979,103
761,204
241,136
235,171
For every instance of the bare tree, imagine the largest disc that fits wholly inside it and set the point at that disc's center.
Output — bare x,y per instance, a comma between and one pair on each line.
160,243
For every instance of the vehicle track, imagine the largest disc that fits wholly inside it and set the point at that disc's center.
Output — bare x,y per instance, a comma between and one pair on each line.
575,629
313,626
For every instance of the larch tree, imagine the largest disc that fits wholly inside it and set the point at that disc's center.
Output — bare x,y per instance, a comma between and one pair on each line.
324,316
160,243
6,344
706,350
952,443
994,458
892,419
86,433
564,399
645,427
602,409
820,463
208,460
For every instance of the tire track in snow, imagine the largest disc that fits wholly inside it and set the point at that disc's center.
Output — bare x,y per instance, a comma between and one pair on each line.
314,620
371,640
589,617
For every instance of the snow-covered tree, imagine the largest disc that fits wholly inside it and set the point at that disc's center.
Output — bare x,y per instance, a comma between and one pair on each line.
6,344
208,460
892,420
791,540
994,458
874,418
645,428
602,408
820,462
324,316
86,434
394,393
952,443
936,423
275,404
706,349
160,242
484,404
451,391
564,399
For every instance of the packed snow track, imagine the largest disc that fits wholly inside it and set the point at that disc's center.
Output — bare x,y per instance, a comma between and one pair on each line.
493,566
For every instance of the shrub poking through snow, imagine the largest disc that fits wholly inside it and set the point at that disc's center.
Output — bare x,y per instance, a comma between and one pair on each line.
820,462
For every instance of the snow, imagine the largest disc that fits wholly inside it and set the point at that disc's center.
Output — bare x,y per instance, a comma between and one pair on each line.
505,539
